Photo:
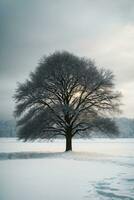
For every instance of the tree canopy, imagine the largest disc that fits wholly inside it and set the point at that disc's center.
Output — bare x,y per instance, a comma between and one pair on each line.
66,95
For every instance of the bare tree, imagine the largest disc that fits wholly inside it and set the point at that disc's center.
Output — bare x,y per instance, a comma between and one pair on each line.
66,95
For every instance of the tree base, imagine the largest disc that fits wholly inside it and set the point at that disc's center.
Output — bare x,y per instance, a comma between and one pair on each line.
67,150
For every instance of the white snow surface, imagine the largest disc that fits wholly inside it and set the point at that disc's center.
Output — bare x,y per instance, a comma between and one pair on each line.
97,169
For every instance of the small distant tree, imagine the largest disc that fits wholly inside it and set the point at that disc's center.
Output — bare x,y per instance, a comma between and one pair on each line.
65,96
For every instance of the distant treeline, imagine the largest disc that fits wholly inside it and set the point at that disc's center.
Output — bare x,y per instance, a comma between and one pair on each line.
126,128
7,128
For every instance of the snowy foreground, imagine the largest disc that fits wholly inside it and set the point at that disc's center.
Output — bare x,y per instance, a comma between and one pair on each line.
97,169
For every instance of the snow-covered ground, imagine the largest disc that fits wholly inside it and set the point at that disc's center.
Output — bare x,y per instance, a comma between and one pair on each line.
97,169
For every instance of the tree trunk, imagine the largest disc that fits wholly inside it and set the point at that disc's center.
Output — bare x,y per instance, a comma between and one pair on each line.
68,143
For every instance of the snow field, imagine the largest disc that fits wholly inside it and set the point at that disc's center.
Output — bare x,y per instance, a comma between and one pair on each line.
95,173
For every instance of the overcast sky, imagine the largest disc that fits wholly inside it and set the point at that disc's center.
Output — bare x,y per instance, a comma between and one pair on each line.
102,30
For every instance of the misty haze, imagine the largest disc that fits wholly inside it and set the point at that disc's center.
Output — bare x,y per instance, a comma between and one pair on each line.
66,100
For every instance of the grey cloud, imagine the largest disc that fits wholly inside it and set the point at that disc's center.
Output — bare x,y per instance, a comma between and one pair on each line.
30,29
